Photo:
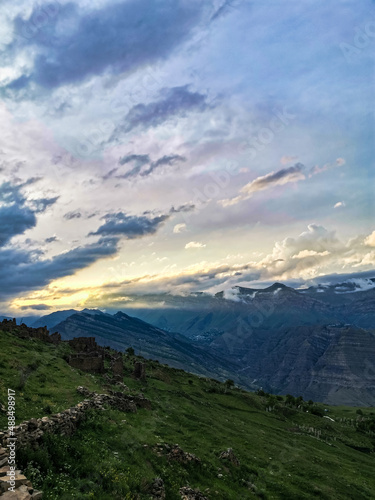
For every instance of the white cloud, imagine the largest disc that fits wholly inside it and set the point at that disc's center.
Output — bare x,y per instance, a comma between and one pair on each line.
370,240
273,179
194,244
339,204
179,228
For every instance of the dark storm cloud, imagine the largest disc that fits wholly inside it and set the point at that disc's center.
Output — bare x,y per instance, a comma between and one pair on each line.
17,213
21,270
116,38
130,226
15,220
175,102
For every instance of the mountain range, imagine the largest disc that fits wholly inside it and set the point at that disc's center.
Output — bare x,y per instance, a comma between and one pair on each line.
318,342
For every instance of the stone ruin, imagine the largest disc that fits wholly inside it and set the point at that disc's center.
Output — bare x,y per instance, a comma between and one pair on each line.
139,372
117,367
84,344
89,357
26,332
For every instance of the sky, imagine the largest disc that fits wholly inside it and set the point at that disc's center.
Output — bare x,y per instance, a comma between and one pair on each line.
182,146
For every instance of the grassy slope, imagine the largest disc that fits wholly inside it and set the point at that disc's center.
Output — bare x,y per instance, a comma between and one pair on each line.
111,456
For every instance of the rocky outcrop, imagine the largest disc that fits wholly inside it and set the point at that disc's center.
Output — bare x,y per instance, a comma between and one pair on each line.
176,453
158,489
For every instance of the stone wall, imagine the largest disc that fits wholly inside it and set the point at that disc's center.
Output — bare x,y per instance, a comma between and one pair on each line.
84,344
30,433
90,362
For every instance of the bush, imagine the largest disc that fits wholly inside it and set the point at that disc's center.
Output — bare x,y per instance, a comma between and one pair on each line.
315,410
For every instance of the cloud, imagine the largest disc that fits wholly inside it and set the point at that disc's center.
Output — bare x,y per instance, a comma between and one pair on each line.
194,244
51,239
339,204
370,240
279,178
179,228
116,38
15,220
175,102
182,208
328,166
138,171
22,270
139,159
73,215
17,213
224,9
41,204
130,226
36,307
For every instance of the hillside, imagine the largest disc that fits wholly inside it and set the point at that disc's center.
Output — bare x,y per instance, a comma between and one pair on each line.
120,331
285,448
317,342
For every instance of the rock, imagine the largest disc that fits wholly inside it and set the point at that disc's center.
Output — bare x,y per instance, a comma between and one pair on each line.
37,495
188,493
158,489
182,456
4,481
229,455
16,495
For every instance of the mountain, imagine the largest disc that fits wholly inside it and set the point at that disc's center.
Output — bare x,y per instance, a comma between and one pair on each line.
302,341
121,331
50,320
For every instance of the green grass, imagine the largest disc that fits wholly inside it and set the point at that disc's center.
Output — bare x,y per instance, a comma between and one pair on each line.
284,454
